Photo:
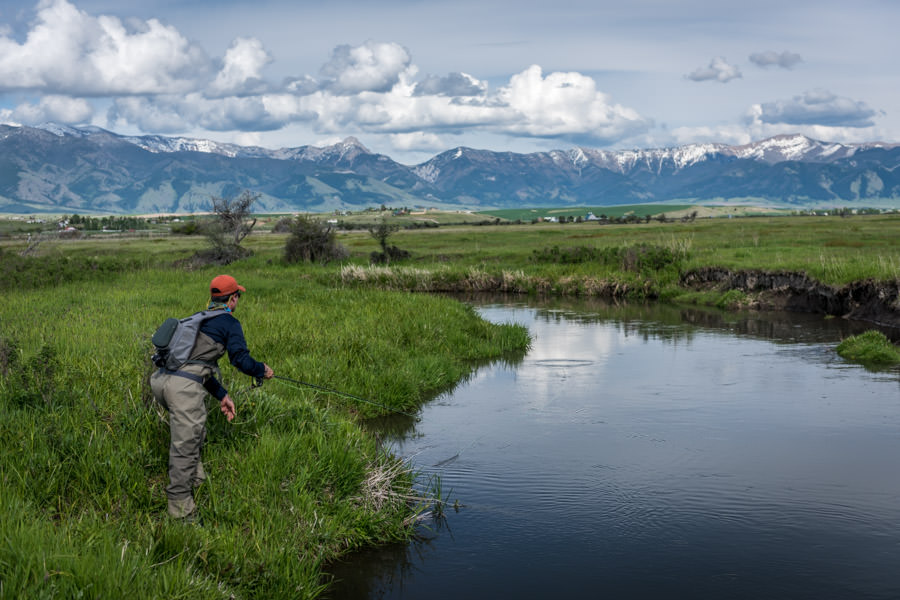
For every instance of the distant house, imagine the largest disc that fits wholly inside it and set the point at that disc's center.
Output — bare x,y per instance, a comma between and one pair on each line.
591,217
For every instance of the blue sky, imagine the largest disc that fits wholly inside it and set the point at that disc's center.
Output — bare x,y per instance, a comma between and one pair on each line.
414,78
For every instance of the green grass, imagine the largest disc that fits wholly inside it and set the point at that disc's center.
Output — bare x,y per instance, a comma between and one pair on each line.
641,210
293,482
832,250
870,348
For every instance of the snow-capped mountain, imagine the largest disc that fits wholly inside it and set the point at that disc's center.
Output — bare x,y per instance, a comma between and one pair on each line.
55,168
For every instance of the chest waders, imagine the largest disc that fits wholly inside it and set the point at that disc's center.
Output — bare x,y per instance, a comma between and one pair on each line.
185,358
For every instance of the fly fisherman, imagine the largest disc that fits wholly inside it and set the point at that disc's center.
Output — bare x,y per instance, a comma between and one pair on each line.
182,392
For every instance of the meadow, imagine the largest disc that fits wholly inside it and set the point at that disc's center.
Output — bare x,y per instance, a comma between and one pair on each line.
296,481
293,482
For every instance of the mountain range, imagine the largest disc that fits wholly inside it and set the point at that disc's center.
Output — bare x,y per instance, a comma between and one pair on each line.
60,169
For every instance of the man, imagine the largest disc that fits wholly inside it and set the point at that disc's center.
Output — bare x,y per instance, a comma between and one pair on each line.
183,392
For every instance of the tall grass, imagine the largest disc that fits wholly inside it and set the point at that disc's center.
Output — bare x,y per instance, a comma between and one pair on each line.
293,481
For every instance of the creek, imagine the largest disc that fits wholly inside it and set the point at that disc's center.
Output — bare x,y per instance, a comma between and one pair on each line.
649,452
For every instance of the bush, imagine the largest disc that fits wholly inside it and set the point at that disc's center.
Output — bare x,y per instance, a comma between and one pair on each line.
627,258
391,253
187,228
312,240
283,225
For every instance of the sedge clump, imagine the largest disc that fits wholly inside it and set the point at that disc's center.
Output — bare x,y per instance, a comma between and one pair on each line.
870,348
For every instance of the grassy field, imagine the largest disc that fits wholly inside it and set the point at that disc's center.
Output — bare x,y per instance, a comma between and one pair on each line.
294,481
830,249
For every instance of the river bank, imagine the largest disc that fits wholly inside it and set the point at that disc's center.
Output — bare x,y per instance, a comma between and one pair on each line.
876,302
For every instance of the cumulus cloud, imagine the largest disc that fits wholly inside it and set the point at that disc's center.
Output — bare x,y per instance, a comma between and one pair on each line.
373,67
173,114
718,70
68,51
454,84
241,72
154,79
770,58
816,107
53,108
565,105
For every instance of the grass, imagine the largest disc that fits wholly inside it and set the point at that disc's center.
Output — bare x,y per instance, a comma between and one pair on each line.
293,482
871,348
642,210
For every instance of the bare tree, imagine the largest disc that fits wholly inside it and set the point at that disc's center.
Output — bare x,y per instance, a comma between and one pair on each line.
230,225
233,215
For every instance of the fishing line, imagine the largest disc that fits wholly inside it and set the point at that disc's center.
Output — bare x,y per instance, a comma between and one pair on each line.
337,393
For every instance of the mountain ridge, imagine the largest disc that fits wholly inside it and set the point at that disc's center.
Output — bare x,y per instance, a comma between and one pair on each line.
57,168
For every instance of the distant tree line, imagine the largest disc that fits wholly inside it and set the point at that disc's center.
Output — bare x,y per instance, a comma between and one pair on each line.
109,223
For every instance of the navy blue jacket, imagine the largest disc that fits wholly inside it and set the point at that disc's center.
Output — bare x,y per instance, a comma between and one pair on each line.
226,330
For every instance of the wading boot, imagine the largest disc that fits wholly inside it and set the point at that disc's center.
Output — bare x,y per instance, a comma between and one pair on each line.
183,509
199,475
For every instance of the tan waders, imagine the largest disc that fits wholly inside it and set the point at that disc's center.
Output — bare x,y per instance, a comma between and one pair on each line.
184,398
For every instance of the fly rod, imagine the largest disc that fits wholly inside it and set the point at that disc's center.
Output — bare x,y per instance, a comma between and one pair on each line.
328,390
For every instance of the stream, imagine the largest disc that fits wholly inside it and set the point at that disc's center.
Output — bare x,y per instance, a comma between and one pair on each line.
653,451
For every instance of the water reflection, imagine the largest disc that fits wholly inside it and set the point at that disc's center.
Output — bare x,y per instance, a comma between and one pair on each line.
649,451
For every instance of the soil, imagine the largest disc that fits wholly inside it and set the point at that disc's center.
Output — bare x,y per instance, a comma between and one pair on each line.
873,301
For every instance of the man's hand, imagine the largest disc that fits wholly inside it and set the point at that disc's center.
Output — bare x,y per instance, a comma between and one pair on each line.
227,407
269,372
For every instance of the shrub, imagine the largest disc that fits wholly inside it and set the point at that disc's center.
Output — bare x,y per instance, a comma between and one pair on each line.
627,258
187,228
311,240
283,225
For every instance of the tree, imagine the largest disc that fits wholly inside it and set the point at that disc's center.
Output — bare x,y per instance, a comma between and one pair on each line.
233,215
381,232
230,225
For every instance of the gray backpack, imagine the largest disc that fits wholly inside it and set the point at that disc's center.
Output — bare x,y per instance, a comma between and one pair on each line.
175,338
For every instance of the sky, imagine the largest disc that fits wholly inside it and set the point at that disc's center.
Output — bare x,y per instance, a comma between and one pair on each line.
413,78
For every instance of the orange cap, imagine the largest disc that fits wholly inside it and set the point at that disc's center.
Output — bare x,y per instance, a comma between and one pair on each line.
224,285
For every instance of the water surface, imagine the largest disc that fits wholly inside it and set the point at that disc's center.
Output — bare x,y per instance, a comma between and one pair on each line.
652,452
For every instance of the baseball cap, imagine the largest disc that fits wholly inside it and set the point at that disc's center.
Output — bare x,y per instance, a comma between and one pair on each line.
224,285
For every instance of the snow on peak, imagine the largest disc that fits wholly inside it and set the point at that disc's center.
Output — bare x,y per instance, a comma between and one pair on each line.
61,130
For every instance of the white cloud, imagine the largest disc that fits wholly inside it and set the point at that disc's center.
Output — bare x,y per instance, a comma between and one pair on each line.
769,58
171,114
241,69
565,105
419,141
373,66
454,84
56,109
718,70
816,107
68,51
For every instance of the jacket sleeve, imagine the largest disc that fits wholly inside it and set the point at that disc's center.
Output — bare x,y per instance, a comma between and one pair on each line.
214,387
239,355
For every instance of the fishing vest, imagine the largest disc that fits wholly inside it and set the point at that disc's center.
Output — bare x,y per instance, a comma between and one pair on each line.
175,341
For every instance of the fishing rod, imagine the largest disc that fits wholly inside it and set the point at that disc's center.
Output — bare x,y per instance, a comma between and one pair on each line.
259,382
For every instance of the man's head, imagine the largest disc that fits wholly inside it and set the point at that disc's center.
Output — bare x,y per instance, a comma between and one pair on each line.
222,287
